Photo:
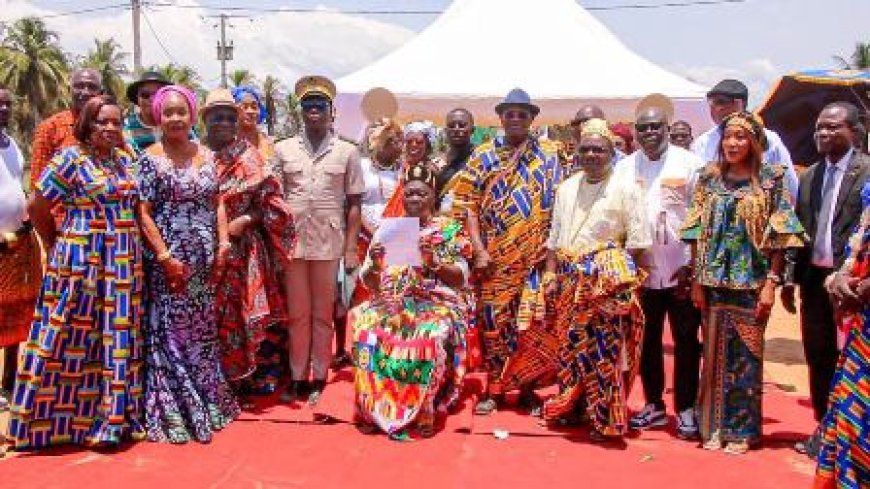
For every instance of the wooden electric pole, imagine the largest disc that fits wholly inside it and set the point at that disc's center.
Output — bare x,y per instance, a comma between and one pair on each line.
137,45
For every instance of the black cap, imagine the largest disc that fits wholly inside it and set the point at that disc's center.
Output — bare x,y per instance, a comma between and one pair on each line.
148,76
730,88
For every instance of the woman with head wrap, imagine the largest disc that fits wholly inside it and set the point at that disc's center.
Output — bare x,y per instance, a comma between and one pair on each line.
381,176
252,112
409,339
739,224
420,139
185,227
587,312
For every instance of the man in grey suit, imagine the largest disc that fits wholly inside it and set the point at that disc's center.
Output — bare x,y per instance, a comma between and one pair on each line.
829,207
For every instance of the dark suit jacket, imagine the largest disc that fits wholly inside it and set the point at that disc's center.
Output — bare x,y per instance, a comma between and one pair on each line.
847,209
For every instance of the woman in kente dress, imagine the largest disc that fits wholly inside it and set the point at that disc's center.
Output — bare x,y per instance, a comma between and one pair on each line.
739,225
844,453
80,380
187,396
409,340
251,312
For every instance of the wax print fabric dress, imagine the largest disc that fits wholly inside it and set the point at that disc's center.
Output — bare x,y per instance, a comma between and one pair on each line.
844,454
251,310
80,380
734,226
187,395
409,339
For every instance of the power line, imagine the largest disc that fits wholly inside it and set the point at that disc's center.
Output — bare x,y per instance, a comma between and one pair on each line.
116,6
157,38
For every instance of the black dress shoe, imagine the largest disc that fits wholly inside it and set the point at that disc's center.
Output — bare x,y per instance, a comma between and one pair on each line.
293,392
316,391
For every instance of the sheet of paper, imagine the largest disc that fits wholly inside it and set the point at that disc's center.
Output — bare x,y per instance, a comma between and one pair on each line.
401,239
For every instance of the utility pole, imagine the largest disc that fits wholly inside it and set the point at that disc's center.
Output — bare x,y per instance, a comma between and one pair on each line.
224,50
137,46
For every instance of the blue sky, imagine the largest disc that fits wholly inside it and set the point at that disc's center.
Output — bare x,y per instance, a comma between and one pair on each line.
756,40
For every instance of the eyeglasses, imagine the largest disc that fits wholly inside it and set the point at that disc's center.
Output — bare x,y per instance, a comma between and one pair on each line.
649,126
318,105
515,114
598,150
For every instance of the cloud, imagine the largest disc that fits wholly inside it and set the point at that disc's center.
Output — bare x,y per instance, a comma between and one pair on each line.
285,45
758,74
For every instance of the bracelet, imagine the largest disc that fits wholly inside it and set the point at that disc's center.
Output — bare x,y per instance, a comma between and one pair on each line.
225,244
163,256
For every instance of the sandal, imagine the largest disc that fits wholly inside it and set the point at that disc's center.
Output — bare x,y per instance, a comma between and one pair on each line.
485,407
737,447
714,443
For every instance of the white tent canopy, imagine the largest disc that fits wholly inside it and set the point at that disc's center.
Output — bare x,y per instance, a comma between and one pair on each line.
478,50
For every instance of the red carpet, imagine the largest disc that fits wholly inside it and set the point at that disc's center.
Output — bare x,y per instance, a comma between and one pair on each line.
283,447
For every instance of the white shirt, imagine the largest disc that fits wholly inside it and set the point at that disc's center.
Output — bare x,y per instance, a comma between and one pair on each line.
587,214
823,253
667,186
13,205
380,185
707,146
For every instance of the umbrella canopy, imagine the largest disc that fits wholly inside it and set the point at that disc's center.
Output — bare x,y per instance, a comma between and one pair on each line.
794,103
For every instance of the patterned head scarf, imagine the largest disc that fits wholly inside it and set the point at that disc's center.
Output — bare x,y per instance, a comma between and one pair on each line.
239,94
421,173
427,128
381,131
749,121
597,127
160,96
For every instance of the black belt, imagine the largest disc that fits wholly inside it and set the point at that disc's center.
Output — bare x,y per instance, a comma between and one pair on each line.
19,233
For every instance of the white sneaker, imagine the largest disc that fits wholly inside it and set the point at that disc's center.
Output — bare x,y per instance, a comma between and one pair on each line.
649,417
687,424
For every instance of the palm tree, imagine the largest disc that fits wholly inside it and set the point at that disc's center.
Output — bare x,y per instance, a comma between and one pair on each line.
294,114
34,67
107,58
241,77
180,75
271,90
859,60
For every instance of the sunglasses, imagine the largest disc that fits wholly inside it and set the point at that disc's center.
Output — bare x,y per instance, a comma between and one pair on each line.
519,115
649,126
318,105
599,150
224,117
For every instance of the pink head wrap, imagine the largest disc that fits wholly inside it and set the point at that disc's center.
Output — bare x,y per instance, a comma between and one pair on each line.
159,98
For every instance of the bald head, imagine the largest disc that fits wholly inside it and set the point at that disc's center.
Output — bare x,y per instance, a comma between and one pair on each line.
85,83
651,127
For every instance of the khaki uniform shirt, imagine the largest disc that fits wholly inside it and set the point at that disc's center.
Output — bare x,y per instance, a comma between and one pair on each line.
316,185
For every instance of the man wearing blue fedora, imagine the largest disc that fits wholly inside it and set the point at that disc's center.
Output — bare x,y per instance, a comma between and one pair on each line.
507,191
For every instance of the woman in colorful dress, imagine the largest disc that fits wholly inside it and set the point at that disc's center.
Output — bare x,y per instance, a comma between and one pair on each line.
251,312
80,380
739,225
844,454
381,175
252,113
187,396
588,323
409,340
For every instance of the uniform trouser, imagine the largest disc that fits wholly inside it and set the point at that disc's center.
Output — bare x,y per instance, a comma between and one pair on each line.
310,288
819,333
684,320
